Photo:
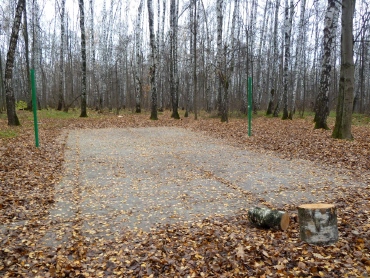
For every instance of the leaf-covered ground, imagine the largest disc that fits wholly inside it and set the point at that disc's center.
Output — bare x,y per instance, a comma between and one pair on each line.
212,247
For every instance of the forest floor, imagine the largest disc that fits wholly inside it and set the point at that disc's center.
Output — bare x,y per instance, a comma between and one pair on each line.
183,208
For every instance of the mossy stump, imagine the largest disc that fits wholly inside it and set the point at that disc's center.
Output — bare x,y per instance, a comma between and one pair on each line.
318,223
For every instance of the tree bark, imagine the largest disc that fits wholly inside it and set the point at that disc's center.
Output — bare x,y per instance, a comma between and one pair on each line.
274,79
138,87
10,98
267,218
318,223
173,62
26,43
195,60
61,103
219,54
322,100
343,120
287,39
83,56
153,89
298,67
2,90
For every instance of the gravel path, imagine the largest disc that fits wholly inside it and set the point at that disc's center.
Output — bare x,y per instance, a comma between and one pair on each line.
137,178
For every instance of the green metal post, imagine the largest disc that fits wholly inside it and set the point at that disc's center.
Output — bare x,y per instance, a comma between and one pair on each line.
250,93
34,106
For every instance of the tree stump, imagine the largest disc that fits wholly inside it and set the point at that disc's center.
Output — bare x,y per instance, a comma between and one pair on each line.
318,223
268,218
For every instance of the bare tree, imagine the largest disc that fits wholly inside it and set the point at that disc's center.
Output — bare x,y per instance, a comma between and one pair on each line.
287,38
219,53
138,31
195,83
83,57
322,100
27,56
275,59
10,98
61,57
298,66
153,89
343,120
173,59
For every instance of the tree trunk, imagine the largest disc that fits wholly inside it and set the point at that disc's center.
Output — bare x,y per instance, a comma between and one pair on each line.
138,87
173,62
275,60
298,58
343,120
195,60
322,100
2,90
287,39
26,40
93,84
258,89
61,57
153,91
318,223
267,218
219,54
10,99
83,56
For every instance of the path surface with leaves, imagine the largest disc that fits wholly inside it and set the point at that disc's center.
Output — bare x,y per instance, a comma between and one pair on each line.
155,199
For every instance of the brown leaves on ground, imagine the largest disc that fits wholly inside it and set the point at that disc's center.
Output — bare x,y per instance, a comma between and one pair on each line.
217,247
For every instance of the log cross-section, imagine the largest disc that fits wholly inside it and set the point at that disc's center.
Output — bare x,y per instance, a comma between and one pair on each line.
318,223
268,218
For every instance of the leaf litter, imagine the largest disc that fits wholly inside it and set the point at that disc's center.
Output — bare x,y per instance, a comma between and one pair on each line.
216,246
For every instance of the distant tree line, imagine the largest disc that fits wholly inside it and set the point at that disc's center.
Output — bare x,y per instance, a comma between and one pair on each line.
192,54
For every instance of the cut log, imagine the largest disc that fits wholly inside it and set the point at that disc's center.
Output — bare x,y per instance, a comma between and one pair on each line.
318,223
268,218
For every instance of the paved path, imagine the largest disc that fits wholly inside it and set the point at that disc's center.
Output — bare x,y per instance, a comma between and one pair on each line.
137,178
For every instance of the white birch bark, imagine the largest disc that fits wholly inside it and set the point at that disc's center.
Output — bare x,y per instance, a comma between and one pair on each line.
173,59
9,66
83,57
153,91
287,38
138,39
219,53
61,57
275,66
322,100
93,58
258,88
298,66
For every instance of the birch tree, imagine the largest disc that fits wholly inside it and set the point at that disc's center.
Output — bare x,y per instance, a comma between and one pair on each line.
287,38
173,60
83,57
27,56
138,86
298,57
153,89
219,53
262,42
61,57
9,93
93,59
343,120
275,60
195,83
322,100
